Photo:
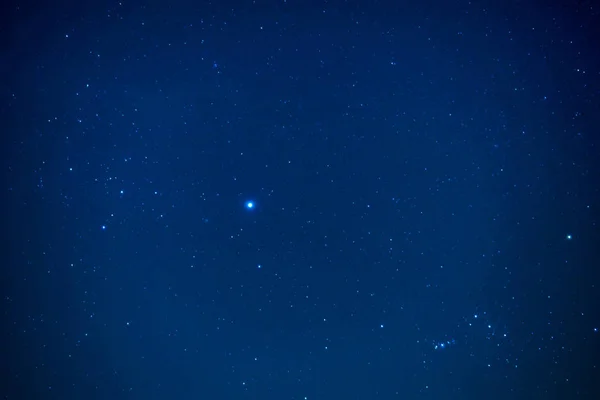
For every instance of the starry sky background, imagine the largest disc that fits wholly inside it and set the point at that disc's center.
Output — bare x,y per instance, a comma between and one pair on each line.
424,188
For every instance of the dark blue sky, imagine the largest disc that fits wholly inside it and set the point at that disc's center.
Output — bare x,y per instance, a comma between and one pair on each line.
425,189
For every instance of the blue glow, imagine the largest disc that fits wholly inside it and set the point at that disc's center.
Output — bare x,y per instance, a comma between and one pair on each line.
249,205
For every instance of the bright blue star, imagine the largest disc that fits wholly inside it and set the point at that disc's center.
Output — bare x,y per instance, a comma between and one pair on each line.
249,205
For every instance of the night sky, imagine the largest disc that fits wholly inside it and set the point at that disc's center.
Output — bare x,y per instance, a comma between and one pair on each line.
300,200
